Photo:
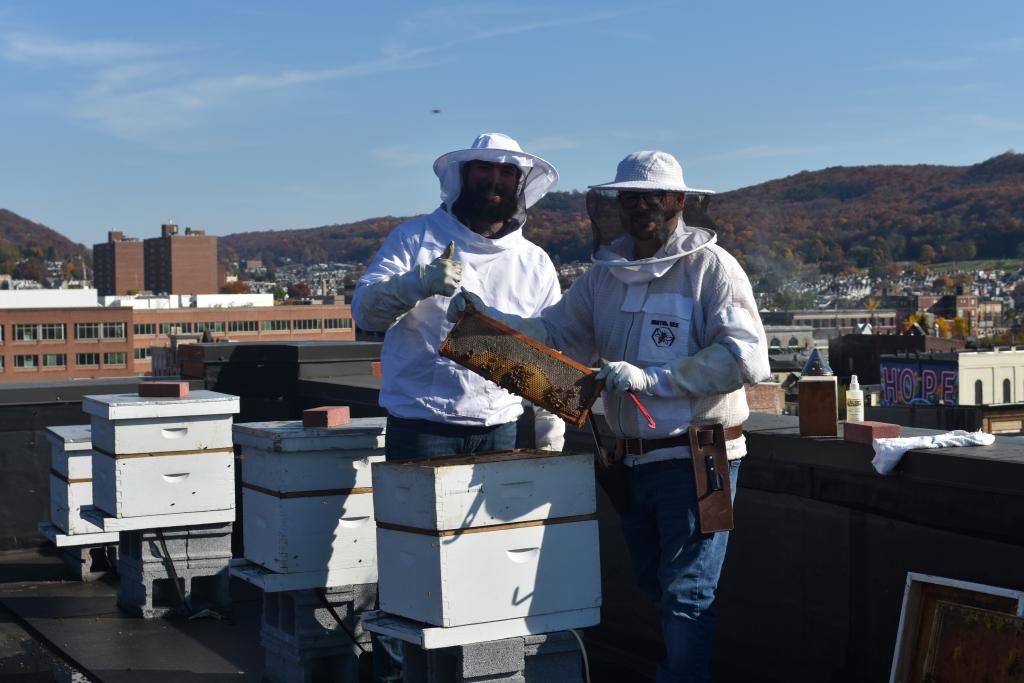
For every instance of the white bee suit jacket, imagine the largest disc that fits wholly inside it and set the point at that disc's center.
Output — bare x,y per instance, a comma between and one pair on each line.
510,273
659,313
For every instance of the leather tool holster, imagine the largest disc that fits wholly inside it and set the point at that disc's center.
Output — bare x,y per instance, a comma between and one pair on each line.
711,475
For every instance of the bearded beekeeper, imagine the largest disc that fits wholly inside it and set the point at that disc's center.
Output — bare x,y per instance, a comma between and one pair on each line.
475,238
675,314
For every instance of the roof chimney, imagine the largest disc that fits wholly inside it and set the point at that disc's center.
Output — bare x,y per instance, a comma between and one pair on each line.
115,236
168,229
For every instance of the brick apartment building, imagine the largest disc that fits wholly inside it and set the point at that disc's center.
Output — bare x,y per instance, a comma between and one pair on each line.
168,264
57,343
118,265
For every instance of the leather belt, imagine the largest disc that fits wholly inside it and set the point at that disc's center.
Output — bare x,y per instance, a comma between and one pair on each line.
641,446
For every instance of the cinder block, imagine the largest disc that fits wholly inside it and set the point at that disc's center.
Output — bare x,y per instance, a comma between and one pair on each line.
209,541
490,658
339,664
866,432
300,618
146,589
325,416
88,563
163,389
553,657
144,546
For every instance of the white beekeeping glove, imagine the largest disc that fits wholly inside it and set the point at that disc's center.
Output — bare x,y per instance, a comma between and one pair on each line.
622,376
548,431
531,327
386,301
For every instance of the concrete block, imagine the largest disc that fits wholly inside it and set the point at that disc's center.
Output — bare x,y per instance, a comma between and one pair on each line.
163,389
88,563
300,619
209,541
146,589
490,658
326,416
553,658
144,546
334,663
866,432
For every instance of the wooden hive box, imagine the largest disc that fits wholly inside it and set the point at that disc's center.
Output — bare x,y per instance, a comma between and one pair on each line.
308,499
70,478
492,537
157,456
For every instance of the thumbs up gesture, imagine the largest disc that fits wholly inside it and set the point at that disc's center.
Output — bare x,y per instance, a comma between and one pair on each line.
443,275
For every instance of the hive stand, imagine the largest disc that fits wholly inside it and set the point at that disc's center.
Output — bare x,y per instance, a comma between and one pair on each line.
200,555
542,658
303,640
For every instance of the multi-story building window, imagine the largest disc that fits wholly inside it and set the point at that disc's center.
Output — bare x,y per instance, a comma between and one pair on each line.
26,361
1,334
143,353
113,330
40,331
243,325
307,324
175,328
1,363
87,359
276,326
87,330
54,360
29,332
144,329
52,331
338,323
115,358
211,326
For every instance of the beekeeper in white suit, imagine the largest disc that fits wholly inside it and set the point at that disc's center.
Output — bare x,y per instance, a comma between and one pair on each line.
674,315
436,407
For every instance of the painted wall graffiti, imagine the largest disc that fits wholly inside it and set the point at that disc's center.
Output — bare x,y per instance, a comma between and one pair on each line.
919,381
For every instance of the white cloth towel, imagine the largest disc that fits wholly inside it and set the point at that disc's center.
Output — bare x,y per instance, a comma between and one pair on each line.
889,452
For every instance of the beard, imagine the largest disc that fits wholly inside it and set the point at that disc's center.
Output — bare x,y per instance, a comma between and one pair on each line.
478,203
649,225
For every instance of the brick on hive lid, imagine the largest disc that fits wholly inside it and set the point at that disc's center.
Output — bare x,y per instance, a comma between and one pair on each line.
163,389
325,416
866,432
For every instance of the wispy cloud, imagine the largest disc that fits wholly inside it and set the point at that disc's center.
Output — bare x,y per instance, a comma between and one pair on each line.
137,91
1013,44
22,47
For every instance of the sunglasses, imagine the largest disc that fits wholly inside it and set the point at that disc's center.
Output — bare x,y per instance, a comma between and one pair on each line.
631,200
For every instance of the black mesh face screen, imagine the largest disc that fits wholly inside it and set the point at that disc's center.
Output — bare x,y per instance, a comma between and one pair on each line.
523,367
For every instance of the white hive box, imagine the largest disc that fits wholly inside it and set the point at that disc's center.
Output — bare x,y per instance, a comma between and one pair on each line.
308,499
161,456
486,538
70,478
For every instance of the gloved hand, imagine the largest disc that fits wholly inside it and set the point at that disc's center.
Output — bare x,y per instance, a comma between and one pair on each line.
441,276
622,376
548,431
383,302
462,300
531,327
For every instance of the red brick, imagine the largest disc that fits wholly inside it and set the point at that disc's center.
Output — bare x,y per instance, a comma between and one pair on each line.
866,432
325,416
375,369
163,389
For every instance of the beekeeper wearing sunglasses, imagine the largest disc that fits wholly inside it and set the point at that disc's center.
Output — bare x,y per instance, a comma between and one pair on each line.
674,317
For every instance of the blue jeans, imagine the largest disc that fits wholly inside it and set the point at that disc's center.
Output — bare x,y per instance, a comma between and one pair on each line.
674,563
415,440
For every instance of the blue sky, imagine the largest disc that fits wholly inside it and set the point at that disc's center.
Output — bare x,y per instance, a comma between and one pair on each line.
248,115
